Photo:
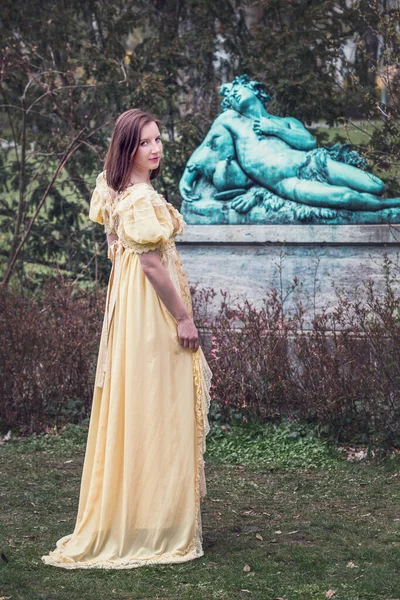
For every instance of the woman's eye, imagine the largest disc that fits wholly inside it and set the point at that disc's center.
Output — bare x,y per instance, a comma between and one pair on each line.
145,141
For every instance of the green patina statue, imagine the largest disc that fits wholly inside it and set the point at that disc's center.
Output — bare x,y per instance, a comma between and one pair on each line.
254,167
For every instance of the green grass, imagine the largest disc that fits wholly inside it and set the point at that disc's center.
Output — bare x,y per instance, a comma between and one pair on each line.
357,133
276,447
302,531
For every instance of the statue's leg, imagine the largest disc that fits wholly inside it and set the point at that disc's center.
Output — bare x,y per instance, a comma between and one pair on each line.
245,202
341,174
316,193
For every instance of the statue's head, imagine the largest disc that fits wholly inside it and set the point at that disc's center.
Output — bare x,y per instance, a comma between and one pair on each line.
231,91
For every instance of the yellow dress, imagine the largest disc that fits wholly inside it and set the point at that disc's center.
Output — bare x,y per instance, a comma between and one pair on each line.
143,475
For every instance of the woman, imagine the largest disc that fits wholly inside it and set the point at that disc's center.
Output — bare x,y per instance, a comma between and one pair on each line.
143,475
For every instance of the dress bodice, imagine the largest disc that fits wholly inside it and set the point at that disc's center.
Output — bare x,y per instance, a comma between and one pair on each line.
142,220
141,217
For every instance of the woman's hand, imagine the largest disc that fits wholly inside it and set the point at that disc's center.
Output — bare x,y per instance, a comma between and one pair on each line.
187,334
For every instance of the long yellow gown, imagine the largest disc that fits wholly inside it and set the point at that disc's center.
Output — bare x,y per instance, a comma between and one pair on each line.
143,476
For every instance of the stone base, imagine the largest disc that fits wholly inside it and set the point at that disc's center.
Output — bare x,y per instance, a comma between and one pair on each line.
281,213
248,260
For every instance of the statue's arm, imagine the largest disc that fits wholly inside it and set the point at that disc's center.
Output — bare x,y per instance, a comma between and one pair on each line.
296,135
189,179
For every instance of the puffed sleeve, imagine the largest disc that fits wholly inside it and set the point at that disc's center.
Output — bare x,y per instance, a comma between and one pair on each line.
97,201
100,205
177,219
144,221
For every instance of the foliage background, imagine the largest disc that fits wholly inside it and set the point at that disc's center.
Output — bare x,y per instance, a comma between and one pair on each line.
69,68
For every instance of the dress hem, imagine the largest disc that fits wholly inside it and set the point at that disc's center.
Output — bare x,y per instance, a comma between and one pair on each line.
115,564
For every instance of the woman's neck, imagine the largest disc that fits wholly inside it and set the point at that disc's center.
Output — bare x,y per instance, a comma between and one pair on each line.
142,176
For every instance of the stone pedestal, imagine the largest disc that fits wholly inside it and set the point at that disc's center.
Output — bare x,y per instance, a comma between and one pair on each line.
247,260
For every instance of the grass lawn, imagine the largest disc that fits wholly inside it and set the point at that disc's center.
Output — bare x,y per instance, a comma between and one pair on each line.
315,533
356,132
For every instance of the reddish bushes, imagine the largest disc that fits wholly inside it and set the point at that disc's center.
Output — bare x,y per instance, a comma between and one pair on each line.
250,359
343,374
47,356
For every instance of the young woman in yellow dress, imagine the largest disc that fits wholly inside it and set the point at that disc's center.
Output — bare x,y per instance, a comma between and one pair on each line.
143,475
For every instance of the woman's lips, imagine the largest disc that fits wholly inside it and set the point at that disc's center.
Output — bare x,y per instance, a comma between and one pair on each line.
155,158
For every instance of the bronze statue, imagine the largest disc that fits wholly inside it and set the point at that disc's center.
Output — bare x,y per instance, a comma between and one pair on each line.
251,159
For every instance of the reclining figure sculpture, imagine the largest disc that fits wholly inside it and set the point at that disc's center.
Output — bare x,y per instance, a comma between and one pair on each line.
254,167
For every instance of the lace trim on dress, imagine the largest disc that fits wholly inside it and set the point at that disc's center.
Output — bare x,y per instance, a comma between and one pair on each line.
184,285
141,248
202,378
58,559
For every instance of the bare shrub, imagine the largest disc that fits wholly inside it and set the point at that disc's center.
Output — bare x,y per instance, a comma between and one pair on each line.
48,356
343,374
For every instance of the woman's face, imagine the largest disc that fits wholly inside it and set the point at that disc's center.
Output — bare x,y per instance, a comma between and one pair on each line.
149,151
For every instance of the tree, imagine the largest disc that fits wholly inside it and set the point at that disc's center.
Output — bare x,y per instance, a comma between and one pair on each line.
378,50
298,49
68,70
68,73
63,80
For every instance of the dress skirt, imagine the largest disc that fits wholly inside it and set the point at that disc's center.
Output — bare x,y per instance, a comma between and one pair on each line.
143,475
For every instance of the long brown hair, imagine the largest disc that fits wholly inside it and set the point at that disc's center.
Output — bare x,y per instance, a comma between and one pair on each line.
124,143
